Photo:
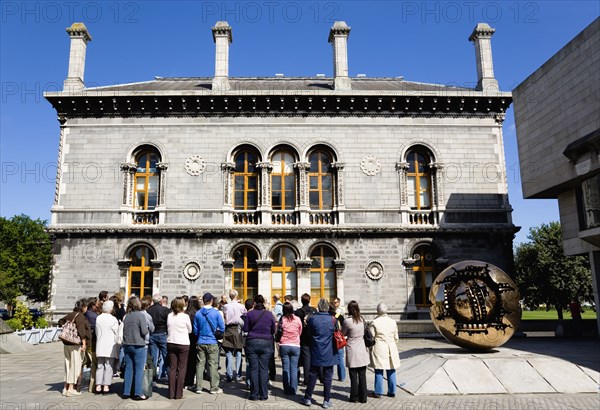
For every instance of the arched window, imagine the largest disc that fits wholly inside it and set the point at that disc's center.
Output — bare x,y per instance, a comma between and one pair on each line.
425,272
418,178
245,180
140,271
284,279
146,179
322,273
320,177
283,181
245,272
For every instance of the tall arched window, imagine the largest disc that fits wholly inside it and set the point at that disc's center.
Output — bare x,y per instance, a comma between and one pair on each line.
322,273
424,270
146,179
245,272
283,181
418,177
140,271
284,279
320,177
245,180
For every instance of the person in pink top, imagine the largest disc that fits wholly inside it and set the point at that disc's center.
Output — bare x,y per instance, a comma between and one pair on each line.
178,345
289,348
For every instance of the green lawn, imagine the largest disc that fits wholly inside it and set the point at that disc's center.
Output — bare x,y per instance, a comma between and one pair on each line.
543,315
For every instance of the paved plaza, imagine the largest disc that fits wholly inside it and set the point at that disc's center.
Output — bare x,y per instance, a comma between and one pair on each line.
34,380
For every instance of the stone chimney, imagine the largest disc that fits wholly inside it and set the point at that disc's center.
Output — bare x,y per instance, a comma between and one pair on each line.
338,37
222,36
79,39
482,39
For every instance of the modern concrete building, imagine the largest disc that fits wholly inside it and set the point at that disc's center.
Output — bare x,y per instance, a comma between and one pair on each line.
361,188
557,114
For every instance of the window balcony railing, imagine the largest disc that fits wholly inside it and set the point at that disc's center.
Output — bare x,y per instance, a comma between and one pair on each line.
323,218
284,218
423,217
246,217
145,217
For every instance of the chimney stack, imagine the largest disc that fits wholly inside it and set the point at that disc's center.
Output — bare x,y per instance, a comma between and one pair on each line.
482,39
79,39
338,37
222,36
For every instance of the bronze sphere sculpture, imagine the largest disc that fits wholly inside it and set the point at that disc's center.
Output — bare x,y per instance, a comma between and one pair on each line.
475,305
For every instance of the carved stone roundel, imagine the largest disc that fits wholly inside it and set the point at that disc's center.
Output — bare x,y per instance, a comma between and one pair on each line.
374,270
195,165
192,270
370,165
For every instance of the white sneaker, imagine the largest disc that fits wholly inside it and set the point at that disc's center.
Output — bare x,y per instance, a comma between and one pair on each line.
64,392
218,391
73,393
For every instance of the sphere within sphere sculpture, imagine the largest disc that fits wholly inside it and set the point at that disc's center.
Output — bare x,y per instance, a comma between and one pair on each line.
475,305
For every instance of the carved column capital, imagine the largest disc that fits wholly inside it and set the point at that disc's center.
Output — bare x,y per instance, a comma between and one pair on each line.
402,166
264,264
162,166
130,167
156,263
302,166
303,264
228,166
265,165
338,165
227,263
124,263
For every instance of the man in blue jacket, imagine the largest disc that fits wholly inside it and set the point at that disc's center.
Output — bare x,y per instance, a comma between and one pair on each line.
206,322
323,354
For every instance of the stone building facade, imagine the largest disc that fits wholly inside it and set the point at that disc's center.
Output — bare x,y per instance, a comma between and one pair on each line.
360,188
557,115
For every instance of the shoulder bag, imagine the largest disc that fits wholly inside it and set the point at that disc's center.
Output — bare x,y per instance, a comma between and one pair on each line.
218,332
338,338
69,334
368,336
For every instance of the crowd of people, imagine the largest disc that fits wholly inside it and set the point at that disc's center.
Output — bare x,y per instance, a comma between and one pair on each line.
181,344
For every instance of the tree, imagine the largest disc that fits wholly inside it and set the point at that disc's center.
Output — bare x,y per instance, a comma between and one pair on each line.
545,275
25,259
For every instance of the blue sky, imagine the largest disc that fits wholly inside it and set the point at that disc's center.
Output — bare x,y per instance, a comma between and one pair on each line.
137,40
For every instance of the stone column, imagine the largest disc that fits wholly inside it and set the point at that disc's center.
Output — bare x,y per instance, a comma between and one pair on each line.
437,185
222,37
123,265
302,196
264,278
79,39
482,39
338,37
228,274
401,168
410,284
162,184
303,272
340,266
228,168
156,270
264,196
60,161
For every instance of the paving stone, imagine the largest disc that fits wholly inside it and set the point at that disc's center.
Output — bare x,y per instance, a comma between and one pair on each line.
518,376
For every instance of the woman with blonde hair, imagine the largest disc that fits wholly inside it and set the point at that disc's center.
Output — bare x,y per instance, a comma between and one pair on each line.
384,355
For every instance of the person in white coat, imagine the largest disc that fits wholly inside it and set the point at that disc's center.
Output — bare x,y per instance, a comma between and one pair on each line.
384,355
107,349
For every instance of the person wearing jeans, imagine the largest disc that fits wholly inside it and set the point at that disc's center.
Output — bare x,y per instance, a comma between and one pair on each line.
384,355
323,356
206,322
289,348
158,338
135,329
232,340
260,326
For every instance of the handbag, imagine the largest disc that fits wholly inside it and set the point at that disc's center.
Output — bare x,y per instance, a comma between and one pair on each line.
338,337
218,333
368,336
279,331
69,334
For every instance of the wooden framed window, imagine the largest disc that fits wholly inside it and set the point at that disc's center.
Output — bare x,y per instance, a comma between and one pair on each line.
424,271
320,176
245,181
322,273
146,180
284,279
245,272
283,181
140,271
418,178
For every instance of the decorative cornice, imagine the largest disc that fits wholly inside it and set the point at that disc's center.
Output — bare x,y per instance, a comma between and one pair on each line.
482,30
264,264
120,105
79,30
222,28
339,28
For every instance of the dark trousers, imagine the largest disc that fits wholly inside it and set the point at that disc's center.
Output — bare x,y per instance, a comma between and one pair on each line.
272,368
358,384
313,374
305,361
259,351
192,362
178,357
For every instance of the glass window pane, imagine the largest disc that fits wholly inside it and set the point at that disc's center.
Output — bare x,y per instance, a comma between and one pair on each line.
329,279
314,200
418,292
141,164
276,181
289,182
276,281
239,183
316,262
428,279
140,183
422,162
315,279
276,200
277,257
239,163
327,200
148,280
140,200
314,162
252,200
252,182
289,200
325,163
136,279
314,182
327,182
424,199
288,163
237,280
277,163
291,283
239,200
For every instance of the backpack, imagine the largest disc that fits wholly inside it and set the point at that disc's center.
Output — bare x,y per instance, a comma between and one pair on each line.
368,336
69,334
